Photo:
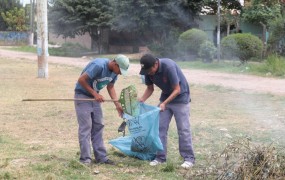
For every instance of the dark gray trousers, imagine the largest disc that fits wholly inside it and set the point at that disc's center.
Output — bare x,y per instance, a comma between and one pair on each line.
181,114
90,121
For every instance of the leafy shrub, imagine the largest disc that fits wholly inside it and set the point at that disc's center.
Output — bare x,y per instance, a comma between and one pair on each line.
68,50
274,64
276,41
207,51
189,41
243,46
166,47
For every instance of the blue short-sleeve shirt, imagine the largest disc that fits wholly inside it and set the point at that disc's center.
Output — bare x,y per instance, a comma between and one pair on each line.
167,76
99,76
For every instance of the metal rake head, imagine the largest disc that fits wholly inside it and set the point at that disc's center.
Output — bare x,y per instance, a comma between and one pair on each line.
128,100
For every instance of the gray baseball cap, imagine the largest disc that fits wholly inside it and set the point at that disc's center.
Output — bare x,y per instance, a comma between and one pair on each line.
123,62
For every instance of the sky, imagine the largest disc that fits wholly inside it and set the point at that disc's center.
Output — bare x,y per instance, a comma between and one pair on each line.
24,2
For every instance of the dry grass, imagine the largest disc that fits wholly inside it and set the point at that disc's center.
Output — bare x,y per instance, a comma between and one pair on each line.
38,140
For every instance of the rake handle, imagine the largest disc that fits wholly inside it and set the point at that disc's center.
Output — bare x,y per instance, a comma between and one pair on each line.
72,99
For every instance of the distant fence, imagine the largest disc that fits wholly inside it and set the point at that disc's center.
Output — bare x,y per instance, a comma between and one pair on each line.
13,38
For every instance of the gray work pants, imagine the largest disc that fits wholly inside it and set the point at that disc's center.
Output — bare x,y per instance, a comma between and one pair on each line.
90,121
181,114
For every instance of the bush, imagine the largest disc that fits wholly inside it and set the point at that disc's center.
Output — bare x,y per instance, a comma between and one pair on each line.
242,46
189,41
68,50
166,48
207,51
275,65
276,39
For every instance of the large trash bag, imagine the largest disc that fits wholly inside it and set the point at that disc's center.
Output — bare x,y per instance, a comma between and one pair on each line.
143,140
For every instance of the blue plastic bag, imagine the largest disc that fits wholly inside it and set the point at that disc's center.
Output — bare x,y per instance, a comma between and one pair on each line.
143,140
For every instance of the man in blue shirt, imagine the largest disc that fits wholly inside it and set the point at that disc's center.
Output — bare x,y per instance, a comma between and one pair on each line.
95,76
174,100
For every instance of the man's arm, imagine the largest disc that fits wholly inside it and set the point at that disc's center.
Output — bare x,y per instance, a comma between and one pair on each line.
147,93
113,95
175,92
83,82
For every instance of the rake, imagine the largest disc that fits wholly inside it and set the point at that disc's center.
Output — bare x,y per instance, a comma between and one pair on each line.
128,100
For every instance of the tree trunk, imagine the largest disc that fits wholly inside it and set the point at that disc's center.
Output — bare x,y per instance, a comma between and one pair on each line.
228,28
31,30
263,38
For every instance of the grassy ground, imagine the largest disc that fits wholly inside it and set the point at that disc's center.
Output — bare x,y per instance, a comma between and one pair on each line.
38,140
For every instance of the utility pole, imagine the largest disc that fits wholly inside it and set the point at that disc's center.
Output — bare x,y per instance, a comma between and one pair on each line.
219,32
42,39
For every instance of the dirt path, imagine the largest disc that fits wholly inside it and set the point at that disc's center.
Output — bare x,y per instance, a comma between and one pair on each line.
247,83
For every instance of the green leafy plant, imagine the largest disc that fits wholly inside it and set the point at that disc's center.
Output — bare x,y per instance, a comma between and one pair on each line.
207,51
189,42
276,39
15,19
274,65
69,49
242,46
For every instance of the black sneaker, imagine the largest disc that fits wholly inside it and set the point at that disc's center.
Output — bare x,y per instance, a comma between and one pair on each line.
110,162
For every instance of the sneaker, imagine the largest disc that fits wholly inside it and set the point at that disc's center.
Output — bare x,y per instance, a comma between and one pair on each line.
110,162
187,164
154,163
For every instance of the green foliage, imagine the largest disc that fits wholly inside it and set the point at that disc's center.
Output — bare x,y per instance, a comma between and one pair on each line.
242,46
261,12
153,20
166,47
15,19
152,16
169,167
76,17
211,7
274,65
207,51
189,42
6,5
277,33
69,50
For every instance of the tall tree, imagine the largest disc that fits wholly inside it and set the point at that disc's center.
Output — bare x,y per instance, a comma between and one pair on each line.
154,17
6,5
211,6
76,17
276,39
262,12
15,19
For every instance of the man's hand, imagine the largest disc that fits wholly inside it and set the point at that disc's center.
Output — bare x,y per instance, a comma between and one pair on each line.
141,100
120,110
162,107
98,97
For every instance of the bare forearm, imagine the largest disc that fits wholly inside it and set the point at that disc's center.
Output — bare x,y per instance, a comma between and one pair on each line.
171,97
175,92
113,95
82,81
147,93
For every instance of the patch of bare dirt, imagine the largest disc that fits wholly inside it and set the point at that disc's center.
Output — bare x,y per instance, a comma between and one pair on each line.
247,83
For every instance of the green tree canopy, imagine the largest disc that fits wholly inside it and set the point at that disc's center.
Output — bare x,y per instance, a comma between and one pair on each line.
76,17
154,18
6,5
262,11
15,19
211,6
